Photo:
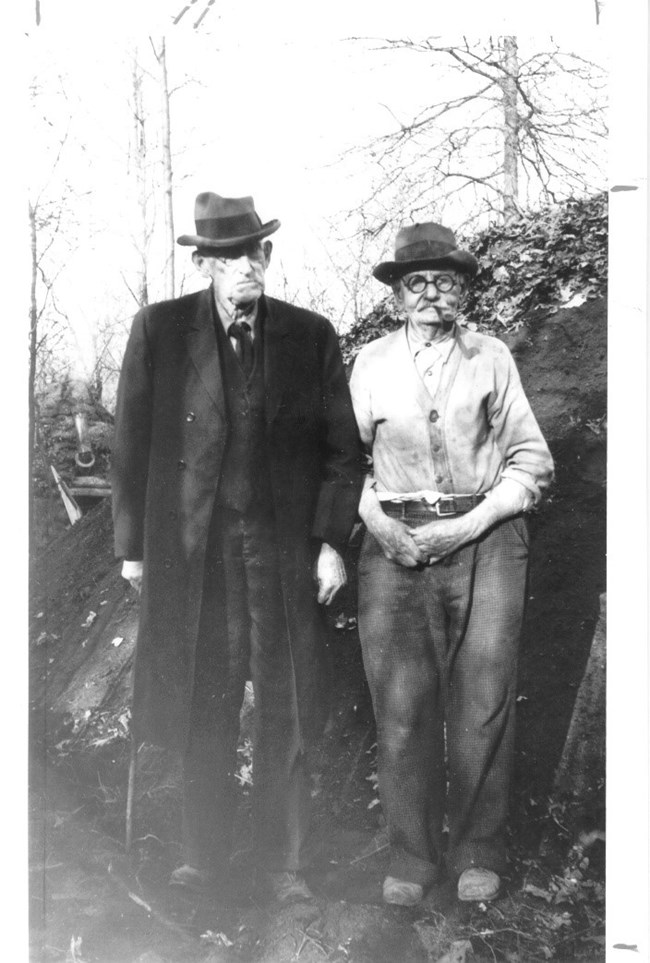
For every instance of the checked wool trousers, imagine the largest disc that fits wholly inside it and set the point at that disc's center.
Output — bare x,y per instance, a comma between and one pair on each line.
440,646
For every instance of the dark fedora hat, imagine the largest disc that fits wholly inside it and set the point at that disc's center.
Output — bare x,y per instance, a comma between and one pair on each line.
425,245
226,222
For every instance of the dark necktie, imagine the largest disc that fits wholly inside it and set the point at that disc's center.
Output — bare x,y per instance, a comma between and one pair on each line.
241,331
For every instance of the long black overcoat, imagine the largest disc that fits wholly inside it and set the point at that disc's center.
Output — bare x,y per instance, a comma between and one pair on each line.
171,432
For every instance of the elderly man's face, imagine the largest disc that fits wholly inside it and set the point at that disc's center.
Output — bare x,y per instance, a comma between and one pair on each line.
430,299
237,273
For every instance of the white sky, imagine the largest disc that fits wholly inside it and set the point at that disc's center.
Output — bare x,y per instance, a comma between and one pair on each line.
279,93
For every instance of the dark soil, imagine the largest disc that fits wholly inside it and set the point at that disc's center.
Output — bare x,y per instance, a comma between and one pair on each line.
93,903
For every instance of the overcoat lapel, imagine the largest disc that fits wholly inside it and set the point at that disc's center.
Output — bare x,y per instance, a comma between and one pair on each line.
202,348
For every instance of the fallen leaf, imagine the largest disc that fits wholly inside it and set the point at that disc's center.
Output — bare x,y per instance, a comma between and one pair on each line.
140,902
219,939
576,301
457,952
587,839
536,891
557,922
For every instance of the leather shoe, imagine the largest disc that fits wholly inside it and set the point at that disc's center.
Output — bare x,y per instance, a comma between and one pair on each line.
402,893
478,884
197,880
288,887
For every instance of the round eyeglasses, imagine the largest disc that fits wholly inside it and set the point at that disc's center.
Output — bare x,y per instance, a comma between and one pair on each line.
417,283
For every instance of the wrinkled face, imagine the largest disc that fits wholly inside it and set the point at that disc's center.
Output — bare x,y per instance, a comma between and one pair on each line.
430,298
236,273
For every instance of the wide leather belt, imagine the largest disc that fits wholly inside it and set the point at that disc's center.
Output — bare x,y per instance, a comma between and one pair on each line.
445,506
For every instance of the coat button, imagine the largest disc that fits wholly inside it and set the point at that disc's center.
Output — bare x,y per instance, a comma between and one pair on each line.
181,464
440,478
436,447
168,563
190,416
433,415
173,513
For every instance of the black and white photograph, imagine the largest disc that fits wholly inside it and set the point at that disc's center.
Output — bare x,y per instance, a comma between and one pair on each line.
334,350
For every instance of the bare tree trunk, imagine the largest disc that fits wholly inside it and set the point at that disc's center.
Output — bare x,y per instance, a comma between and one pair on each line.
33,345
511,129
167,176
140,160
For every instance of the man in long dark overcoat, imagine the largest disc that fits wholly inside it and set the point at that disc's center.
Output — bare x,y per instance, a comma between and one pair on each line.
236,478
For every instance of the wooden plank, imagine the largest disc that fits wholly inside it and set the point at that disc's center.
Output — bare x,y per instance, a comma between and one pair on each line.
90,492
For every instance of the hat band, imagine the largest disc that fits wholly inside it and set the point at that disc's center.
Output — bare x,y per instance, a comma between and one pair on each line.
423,249
224,228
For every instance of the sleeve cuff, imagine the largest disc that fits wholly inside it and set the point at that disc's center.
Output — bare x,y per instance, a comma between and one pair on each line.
131,569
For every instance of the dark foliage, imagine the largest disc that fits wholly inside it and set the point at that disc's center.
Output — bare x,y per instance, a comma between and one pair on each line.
542,261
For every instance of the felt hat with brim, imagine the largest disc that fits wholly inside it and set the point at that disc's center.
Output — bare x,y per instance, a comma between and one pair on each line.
425,246
226,222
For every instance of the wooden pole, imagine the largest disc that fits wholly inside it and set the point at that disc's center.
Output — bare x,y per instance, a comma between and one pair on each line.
130,793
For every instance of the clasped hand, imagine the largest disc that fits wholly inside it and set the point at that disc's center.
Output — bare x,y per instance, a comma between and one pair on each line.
443,536
424,544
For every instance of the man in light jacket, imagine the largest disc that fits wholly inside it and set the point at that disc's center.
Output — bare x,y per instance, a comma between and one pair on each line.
457,460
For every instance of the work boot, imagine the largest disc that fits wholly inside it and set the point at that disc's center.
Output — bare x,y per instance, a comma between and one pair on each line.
478,885
401,892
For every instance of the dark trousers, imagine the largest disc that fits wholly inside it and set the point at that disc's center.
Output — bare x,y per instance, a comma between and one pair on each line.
440,648
243,636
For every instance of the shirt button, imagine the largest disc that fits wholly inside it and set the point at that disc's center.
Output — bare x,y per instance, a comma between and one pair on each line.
168,563
436,447
427,344
433,415
181,464
190,416
173,514
440,478
429,372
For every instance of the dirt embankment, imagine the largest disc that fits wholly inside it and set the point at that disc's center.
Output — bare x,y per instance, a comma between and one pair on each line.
83,632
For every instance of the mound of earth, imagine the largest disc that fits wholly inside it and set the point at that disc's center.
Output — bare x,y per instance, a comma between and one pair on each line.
93,903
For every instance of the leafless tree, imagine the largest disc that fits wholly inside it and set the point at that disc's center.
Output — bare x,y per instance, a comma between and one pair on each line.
140,167
49,245
161,57
513,129
151,173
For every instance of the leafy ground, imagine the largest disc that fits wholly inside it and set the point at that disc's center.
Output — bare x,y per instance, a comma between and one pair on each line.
93,903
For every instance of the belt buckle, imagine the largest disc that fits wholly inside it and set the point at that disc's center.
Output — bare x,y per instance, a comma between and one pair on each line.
446,498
